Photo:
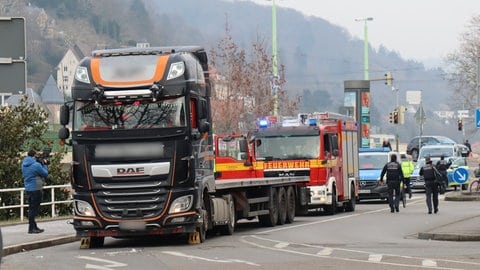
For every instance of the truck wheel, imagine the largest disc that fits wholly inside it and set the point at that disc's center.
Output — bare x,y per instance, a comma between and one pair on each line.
290,204
332,209
282,206
351,203
229,228
92,242
271,218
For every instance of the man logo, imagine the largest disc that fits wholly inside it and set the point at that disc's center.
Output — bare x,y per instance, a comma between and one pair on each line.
131,171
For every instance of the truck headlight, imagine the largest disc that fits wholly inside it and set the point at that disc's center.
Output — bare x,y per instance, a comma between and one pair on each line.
181,204
176,70
83,208
81,74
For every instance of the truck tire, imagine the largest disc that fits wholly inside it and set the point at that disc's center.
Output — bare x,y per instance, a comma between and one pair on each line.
271,218
332,209
350,207
290,204
229,228
282,206
96,242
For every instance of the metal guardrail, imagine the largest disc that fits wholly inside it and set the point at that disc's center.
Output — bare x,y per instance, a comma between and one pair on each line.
22,205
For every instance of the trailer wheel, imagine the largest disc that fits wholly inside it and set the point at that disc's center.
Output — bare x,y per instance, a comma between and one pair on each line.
282,206
352,202
332,209
290,204
271,218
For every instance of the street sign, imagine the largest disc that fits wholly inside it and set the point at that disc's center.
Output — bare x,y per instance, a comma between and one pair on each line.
12,44
12,55
12,77
477,118
460,175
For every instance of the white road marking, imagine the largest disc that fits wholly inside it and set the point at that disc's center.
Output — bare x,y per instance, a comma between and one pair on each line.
179,254
282,245
429,263
375,257
325,252
108,264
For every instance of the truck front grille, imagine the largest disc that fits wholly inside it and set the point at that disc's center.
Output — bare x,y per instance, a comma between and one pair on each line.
135,199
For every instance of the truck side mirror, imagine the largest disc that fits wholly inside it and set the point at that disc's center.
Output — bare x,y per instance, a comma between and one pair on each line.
64,115
63,133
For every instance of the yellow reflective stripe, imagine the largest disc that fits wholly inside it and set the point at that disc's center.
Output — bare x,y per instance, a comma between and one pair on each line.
221,167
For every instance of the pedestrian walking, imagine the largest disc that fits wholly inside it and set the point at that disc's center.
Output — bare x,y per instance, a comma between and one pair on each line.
34,171
431,187
407,169
393,169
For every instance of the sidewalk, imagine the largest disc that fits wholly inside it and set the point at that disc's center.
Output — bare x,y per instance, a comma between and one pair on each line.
16,239
57,232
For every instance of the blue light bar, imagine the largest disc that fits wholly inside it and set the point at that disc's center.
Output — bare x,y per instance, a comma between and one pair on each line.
312,122
262,123
378,149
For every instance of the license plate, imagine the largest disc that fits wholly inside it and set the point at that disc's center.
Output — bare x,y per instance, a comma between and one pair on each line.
132,225
364,191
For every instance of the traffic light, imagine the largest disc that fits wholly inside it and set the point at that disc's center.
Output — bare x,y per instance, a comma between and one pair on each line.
394,117
460,124
388,78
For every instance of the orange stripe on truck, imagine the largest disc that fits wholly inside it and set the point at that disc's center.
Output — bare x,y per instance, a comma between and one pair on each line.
158,75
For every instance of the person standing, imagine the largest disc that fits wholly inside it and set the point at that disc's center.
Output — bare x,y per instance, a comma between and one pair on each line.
407,169
467,144
393,169
386,143
34,172
431,187
442,166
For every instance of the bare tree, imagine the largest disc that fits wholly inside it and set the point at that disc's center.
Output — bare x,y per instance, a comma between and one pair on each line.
242,86
462,68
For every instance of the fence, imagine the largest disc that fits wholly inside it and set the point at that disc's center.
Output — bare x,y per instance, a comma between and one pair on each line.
22,205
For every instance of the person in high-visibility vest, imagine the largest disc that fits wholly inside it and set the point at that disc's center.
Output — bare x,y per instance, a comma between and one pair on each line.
407,169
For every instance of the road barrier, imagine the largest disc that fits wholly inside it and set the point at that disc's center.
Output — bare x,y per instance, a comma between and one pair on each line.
22,204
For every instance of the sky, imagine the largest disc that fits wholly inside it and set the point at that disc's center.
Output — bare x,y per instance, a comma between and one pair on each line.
422,30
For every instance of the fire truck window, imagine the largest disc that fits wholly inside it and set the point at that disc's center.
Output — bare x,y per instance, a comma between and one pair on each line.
230,148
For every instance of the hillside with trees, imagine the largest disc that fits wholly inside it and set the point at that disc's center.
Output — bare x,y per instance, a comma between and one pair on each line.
317,55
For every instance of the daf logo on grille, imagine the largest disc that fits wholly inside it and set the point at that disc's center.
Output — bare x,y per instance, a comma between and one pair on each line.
363,183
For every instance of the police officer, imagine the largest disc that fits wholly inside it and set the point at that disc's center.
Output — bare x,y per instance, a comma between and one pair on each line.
442,166
431,188
393,169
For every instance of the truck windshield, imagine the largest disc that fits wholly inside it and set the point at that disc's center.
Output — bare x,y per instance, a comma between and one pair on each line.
287,147
129,114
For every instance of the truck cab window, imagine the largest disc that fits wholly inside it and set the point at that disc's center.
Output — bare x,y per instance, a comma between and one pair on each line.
129,114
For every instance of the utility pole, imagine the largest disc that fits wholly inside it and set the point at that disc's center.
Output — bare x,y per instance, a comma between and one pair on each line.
365,44
274,79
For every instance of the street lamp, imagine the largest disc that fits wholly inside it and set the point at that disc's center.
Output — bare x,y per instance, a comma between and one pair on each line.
365,43
274,78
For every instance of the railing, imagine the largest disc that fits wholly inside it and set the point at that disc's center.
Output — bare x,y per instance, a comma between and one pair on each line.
22,204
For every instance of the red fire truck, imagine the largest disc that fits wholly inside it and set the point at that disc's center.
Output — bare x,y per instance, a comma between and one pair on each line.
322,146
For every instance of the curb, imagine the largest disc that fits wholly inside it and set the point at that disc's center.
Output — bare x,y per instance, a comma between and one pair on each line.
39,244
448,237
464,196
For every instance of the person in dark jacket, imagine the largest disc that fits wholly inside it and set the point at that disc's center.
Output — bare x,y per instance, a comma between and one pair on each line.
442,166
393,169
431,187
34,172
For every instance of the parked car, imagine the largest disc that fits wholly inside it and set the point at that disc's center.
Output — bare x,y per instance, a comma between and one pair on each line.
453,152
418,142
371,162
